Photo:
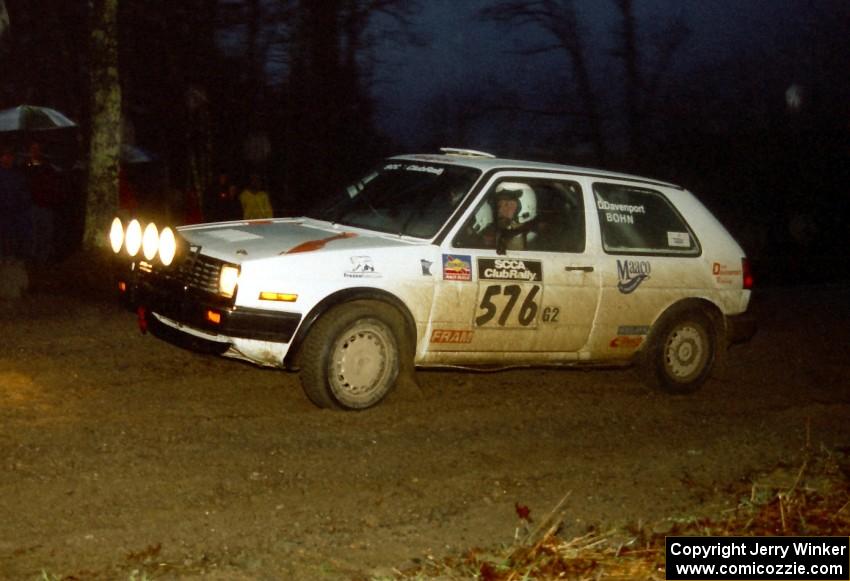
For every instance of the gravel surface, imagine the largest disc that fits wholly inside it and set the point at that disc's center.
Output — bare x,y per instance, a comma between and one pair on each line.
120,452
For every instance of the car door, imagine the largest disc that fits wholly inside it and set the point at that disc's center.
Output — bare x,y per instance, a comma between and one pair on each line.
535,295
651,259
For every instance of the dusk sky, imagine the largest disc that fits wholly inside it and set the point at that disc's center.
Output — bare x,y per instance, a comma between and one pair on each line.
463,50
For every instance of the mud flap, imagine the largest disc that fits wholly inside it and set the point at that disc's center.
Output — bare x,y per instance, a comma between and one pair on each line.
720,369
406,384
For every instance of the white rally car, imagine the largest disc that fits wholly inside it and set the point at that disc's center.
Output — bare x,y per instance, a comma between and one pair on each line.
457,259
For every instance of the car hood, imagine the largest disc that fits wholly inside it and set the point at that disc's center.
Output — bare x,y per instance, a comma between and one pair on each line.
259,239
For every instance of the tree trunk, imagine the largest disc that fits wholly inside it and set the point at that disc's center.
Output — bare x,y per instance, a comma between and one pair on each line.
102,198
4,23
629,54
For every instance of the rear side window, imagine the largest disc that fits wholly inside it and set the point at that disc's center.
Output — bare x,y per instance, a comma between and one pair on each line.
641,221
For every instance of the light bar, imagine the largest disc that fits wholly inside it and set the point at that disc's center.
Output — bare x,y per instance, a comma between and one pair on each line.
133,238
116,235
150,241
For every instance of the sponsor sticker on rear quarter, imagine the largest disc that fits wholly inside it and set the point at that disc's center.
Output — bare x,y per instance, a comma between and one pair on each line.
678,240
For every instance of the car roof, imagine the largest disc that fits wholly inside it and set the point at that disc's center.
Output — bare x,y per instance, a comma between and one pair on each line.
486,162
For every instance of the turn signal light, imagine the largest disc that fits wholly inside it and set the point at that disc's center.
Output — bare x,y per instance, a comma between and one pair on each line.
283,297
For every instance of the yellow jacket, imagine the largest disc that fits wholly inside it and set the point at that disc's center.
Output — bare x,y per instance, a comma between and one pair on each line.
255,204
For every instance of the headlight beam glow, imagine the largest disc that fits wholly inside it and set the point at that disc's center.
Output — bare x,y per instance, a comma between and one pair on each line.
167,246
133,238
150,241
227,281
116,235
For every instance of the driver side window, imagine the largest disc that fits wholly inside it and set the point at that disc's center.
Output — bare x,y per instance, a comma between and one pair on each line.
530,214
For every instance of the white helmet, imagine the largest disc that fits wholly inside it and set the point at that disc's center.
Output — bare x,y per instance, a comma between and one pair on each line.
525,197
483,218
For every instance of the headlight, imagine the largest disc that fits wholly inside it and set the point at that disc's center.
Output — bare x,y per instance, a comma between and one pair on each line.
133,238
116,235
227,280
167,246
150,241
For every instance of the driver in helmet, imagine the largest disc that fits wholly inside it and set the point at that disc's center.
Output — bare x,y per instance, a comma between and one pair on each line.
516,210
510,213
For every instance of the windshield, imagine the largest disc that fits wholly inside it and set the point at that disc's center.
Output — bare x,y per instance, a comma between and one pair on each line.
403,197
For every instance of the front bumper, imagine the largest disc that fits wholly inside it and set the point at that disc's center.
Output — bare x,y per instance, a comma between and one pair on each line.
206,312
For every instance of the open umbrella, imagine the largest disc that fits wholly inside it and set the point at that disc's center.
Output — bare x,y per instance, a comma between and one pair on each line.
132,154
32,118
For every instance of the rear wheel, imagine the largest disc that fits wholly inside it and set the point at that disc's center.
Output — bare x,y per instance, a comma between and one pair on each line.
350,358
680,352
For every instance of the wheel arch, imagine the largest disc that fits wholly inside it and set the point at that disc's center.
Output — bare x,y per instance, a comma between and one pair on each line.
692,304
715,315
290,361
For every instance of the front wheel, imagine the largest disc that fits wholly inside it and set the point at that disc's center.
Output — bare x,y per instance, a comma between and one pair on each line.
680,353
350,359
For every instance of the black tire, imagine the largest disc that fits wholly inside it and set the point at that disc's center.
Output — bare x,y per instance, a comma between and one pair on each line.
350,358
680,352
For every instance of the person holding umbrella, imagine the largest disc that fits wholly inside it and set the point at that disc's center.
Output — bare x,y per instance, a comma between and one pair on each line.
15,227
46,198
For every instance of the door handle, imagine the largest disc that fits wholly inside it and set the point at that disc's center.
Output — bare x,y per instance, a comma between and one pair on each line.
580,268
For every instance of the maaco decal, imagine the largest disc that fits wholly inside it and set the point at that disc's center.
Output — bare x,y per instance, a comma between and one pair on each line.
630,273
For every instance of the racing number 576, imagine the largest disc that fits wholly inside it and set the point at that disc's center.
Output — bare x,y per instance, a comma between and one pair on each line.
527,310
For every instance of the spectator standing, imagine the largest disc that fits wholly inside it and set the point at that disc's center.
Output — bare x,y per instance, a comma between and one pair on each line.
128,202
222,200
15,210
255,200
192,211
46,197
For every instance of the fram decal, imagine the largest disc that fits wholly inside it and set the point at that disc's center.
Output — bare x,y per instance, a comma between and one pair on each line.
457,267
361,267
451,336
630,273
508,269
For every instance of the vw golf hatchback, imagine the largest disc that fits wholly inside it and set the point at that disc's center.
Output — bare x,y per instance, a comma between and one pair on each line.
458,259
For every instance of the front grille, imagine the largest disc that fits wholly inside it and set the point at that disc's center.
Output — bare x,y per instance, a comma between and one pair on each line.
199,272
193,271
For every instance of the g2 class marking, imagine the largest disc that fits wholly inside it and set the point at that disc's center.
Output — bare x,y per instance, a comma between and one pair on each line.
550,314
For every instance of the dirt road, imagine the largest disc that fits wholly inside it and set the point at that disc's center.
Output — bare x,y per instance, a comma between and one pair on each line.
120,452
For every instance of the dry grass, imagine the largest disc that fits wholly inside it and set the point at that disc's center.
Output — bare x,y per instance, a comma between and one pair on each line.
812,498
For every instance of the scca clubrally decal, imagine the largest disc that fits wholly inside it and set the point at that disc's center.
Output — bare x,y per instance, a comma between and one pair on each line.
510,269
